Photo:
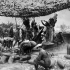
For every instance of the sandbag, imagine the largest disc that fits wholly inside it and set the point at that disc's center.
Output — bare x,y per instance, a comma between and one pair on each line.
53,63
67,56
11,59
4,59
16,58
24,58
60,64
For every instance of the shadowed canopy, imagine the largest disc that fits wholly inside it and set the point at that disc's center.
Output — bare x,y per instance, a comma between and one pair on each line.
30,8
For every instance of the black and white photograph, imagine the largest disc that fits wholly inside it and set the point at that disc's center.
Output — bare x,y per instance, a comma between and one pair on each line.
34,34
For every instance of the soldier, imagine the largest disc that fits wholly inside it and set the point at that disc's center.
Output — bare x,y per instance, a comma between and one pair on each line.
11,32
27,23
17,36
50,27
23,34
59,39
43,59
34,27
29,35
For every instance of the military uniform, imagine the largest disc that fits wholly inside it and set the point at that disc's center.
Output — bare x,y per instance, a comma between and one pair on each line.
34,27
50,28
11,32
27,23
43,59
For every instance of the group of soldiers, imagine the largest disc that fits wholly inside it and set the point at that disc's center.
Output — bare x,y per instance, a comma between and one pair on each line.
34,31
30,36
36,35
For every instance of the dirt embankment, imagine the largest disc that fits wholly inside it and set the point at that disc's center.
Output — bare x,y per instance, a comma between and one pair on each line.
59,53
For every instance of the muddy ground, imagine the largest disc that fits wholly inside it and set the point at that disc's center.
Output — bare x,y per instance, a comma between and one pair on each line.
59,52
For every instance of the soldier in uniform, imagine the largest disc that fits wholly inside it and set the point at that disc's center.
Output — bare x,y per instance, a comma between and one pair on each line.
50,27
27,23
11,32
34,27
43,59
17,36
23,34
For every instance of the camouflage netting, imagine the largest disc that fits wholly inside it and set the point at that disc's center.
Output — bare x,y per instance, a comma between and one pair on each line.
29,8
